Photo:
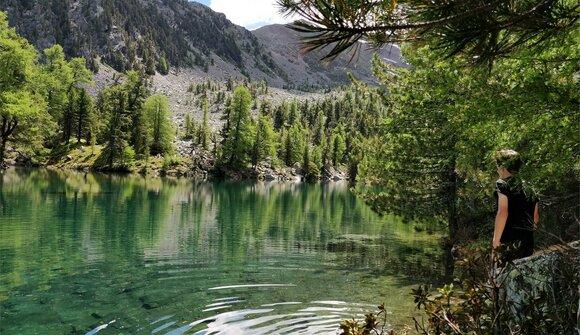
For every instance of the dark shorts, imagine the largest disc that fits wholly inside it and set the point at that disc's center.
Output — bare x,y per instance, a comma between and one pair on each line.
516,250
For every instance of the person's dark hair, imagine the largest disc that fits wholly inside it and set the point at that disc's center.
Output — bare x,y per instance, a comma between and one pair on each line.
509,159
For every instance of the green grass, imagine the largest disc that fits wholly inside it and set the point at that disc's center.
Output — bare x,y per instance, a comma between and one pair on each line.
72,157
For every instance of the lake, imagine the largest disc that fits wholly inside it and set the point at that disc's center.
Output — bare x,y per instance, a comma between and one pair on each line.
123,254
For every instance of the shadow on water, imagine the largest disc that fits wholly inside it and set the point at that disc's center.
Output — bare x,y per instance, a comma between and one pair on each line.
109,254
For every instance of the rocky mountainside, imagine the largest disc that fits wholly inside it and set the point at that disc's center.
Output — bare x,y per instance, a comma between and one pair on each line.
283,44
159,35
154,34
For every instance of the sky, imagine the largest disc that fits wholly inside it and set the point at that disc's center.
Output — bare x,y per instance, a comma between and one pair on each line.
251,14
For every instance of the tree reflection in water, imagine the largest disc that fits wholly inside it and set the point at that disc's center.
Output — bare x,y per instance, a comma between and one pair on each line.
82,249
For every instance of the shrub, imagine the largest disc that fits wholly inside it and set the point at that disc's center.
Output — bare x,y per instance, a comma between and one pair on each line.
537,295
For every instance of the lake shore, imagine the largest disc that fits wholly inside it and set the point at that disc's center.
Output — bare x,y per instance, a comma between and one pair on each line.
198,164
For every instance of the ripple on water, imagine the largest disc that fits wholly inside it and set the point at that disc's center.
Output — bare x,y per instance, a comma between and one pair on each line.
231,315
260,321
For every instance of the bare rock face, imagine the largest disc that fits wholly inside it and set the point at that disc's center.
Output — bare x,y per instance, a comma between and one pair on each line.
203,161
264,171
329,173
305,70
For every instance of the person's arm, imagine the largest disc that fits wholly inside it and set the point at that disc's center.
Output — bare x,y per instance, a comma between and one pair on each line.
500,218
536,213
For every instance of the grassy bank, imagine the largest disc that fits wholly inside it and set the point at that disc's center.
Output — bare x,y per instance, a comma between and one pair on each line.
80,157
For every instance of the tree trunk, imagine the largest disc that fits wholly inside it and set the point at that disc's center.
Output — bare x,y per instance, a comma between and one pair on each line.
67,118
6,130
452,201
3,137
2,150
80,125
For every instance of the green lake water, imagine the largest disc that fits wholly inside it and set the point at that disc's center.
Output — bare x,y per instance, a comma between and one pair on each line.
115,254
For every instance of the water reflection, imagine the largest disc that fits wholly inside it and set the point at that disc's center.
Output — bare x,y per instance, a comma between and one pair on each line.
94,253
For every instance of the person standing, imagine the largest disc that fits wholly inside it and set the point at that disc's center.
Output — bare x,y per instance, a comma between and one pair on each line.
517,208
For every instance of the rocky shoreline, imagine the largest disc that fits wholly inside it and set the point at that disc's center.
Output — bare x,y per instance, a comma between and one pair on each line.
190,163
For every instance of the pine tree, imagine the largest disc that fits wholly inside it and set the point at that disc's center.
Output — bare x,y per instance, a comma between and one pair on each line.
338,146
265,141
56,76
417,151
319,126
163,65
204,131
226,119
159,126
293,112
308,166
263,87
84,115
280,116
79,75
189,127
149,61
316,163
137,90
266,108
292,144
113,104
238,142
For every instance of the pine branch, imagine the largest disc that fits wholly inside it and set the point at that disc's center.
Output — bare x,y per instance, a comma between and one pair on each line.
486,31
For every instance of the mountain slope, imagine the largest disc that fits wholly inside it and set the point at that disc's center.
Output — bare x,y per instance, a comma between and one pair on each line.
307,69
127,34
157,35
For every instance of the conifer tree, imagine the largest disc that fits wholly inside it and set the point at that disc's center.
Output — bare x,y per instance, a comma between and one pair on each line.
316,161
293,112
280,116
84,115
310,167
229,84
416,152
204,131
265,141
319,136
159,126
137,89
266,108
163,65
189,127
149,61
285,148
294,141
76,98
240,135
56,77
113,104
226,119
338,146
